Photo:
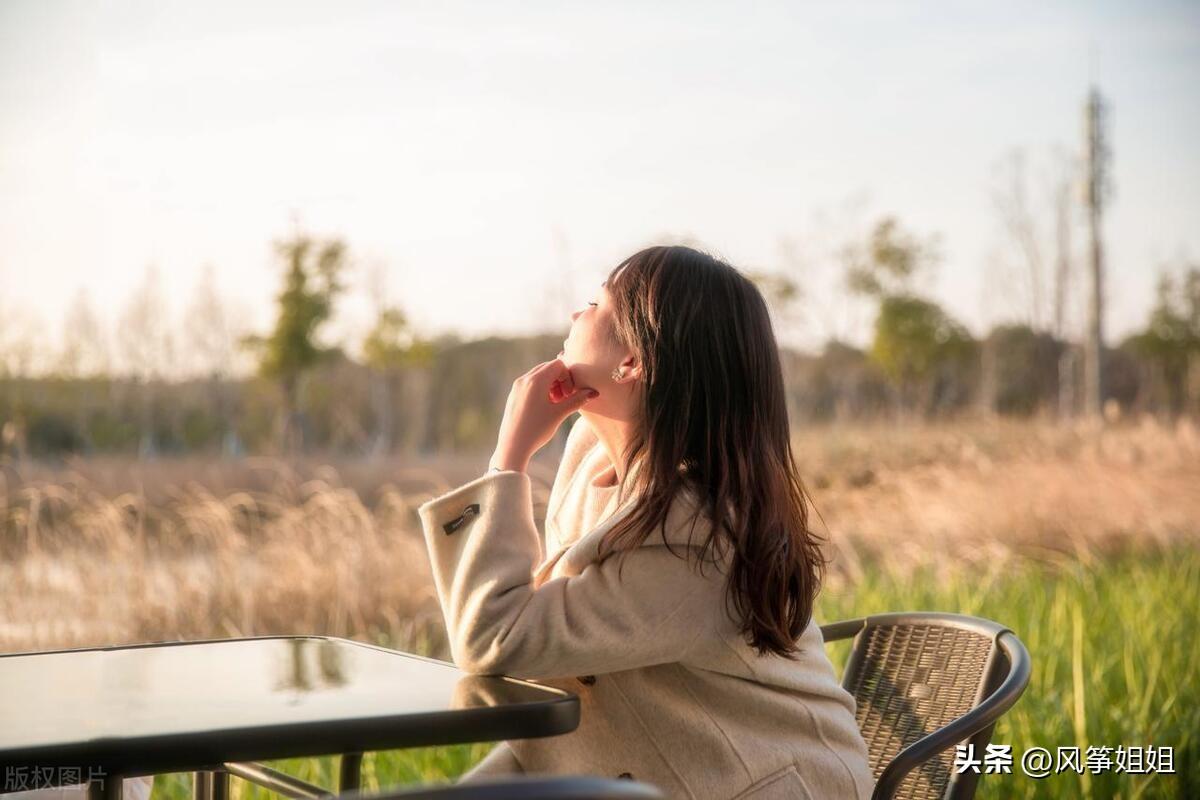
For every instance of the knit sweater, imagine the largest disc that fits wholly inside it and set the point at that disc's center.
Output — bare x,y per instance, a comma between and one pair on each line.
670,691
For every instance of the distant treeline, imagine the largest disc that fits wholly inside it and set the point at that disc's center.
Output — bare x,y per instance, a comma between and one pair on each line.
454,401
398,392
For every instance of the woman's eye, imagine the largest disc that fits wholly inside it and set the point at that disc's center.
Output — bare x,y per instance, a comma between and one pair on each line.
593,304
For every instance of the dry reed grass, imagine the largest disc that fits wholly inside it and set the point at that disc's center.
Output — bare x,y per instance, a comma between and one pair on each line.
976,496
103,552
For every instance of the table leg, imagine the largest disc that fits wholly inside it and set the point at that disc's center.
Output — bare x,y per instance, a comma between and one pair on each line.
351,772
201,785
105,787
219,786
210,785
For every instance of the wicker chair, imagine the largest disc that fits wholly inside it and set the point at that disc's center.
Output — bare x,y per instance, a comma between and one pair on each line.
924,682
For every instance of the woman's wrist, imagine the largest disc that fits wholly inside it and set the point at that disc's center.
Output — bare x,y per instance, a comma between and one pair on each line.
503,463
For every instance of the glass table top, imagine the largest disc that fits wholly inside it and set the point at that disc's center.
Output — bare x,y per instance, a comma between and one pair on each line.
162,690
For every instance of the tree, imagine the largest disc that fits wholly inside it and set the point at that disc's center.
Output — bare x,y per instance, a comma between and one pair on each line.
83,359
390,347
915,341
212,345
144,336
1037,224
889,262
83,351
311,272
1171,341
148,349
820,309
1021,369
208,329
20,331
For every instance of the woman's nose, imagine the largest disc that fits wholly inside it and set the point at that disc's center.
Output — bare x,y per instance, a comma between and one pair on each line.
575,315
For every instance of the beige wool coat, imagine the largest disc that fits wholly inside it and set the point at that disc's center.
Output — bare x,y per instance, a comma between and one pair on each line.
670,693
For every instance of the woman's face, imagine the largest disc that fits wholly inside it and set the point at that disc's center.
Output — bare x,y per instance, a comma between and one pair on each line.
591,352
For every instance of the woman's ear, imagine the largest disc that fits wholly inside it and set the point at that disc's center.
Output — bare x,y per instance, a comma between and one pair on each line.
631,366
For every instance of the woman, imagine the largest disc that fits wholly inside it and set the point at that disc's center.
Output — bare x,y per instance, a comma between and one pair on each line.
674,591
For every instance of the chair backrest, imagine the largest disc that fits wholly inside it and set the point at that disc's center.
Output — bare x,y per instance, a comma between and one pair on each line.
924,682
524,788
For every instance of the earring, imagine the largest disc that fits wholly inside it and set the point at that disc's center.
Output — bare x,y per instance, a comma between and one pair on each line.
617,374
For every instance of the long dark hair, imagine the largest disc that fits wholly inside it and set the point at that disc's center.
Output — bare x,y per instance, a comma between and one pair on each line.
714,420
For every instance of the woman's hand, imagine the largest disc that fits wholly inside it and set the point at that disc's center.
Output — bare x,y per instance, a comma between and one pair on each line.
537,404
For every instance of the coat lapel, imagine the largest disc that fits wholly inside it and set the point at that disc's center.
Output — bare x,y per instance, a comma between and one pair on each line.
572,559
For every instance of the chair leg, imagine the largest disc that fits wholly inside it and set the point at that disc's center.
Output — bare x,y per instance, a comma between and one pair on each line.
350,776
107,787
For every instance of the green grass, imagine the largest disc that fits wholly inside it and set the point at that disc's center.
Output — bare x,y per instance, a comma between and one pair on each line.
1115,656
1115,650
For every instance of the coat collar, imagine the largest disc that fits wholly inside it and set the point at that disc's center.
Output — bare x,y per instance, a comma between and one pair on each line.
683,529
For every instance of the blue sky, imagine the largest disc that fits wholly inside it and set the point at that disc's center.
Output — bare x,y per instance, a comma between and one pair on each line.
491,161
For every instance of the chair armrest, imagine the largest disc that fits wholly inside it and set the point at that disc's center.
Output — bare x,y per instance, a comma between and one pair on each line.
842,630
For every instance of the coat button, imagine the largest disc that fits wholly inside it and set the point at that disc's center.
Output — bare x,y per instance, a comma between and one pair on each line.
456,523
626,775
587,680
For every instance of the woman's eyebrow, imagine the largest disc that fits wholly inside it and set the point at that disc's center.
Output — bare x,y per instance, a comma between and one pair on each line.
603,283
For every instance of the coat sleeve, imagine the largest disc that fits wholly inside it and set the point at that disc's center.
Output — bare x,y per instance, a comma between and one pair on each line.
484,546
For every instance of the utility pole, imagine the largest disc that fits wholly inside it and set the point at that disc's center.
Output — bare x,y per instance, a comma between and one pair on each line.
1096,191
1063,206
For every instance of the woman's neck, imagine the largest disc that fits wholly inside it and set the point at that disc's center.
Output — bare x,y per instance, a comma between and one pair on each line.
614,436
